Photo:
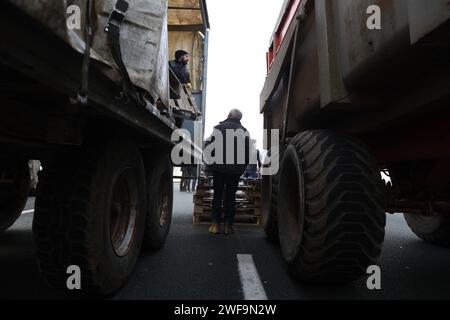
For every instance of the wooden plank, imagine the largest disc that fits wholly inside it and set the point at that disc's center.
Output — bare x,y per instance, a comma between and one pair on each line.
247,220
199,208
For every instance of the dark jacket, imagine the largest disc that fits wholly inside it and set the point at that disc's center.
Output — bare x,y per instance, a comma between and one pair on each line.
181,71
234,168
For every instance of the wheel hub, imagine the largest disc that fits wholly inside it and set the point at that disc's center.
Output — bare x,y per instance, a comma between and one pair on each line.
123,214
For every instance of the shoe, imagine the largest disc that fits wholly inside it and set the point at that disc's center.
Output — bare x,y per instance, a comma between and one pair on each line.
214,228
229,229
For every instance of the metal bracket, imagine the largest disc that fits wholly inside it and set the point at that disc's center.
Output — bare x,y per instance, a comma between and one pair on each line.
83,93
115,19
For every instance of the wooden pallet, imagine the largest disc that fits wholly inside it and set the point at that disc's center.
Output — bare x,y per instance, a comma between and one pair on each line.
241,200
248,202
207,184
239,220
243,215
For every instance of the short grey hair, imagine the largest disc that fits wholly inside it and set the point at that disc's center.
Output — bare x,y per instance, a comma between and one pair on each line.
235,114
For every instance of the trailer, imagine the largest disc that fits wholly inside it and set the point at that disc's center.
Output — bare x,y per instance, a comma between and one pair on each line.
86,89
356,88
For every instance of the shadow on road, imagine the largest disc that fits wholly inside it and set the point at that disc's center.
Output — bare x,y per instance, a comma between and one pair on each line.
195,265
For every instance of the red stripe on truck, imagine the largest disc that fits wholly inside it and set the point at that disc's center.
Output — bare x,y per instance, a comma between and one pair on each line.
282,30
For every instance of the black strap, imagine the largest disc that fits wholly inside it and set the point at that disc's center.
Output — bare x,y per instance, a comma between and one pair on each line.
84,88
113,25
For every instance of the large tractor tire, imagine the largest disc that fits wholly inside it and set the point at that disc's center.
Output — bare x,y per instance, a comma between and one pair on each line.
269,201
434,228
269,209
159,201
331,214
90,212
14,189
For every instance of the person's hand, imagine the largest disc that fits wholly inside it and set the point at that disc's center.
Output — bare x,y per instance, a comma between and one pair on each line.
189,86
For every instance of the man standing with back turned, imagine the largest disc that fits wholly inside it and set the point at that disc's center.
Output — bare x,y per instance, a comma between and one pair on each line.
227,173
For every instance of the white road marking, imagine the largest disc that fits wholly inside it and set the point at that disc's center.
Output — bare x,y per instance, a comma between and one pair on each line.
250,280
28,211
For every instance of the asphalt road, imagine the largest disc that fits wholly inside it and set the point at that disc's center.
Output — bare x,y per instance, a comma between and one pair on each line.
195,265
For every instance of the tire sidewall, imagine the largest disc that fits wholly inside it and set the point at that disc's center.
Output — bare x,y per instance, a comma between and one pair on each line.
159,175
266,200
10,212
424,225
290,242
114,269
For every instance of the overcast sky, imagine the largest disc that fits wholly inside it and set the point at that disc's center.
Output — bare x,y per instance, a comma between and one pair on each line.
239,39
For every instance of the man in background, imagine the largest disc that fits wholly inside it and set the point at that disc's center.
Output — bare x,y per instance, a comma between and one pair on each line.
193,180
227,174
184,183
252,170
180,67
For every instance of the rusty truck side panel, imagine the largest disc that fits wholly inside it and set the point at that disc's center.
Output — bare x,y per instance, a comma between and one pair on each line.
345,76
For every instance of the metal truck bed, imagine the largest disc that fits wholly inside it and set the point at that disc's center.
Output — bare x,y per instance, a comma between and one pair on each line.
337,73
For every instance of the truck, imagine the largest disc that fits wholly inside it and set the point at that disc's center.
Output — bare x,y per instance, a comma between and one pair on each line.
86,89
358,90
